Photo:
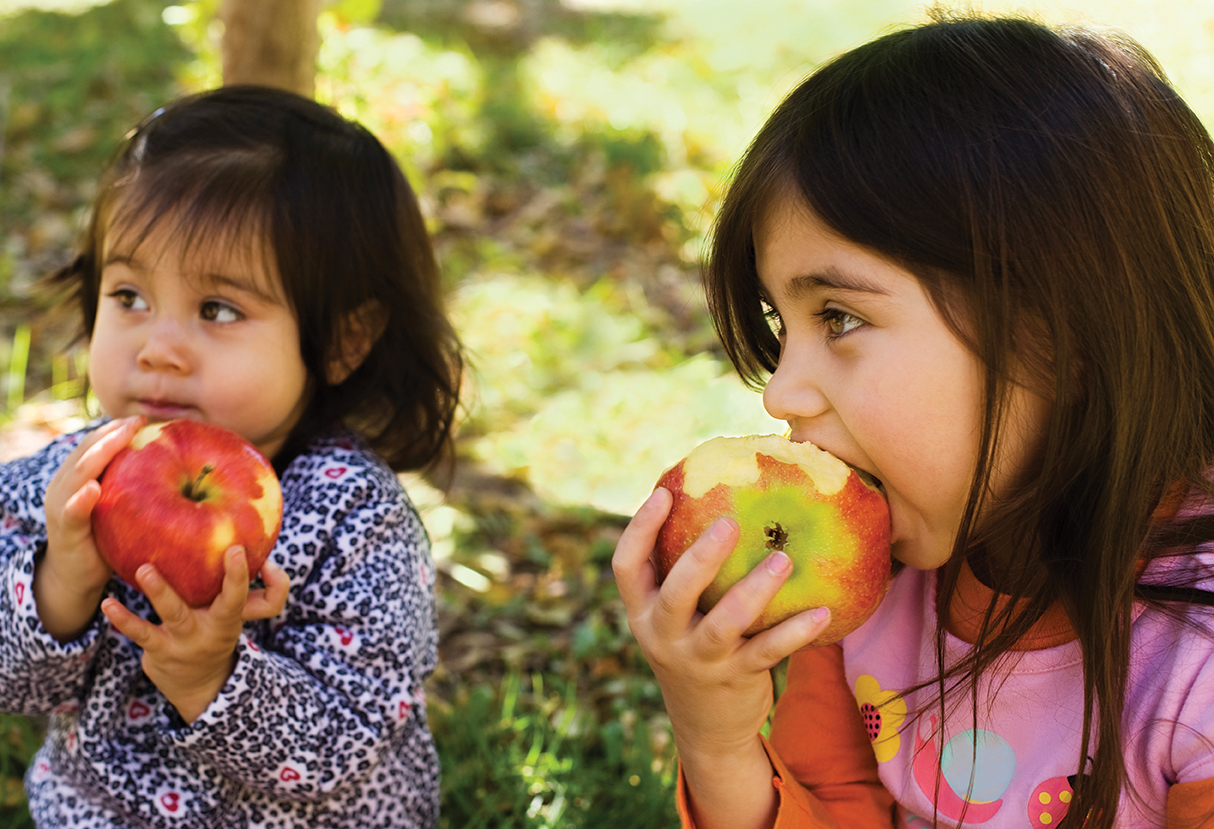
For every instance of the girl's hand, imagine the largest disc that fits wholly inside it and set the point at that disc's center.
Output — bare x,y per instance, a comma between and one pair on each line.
70,578
716,683
191,654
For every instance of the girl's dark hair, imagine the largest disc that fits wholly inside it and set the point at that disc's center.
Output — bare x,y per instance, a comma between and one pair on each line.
1054,195
340,225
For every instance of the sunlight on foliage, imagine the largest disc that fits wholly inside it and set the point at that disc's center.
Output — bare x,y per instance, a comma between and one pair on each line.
572,395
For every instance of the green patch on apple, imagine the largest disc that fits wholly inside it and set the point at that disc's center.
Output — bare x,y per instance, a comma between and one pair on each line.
795,497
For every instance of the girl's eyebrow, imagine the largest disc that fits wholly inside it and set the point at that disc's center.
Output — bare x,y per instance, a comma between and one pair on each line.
834,279
122,259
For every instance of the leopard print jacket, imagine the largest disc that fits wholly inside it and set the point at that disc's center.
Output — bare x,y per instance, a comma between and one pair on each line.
323,721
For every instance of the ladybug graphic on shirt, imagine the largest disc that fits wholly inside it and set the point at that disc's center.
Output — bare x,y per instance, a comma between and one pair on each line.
1050,801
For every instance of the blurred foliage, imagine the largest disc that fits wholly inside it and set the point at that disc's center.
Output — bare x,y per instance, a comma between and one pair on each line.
70,87
569,157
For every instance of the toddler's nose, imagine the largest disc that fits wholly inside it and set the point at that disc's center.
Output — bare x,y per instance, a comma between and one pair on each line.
166,347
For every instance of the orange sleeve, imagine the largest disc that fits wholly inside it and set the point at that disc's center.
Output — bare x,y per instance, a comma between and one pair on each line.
818,733
1191,805
825,769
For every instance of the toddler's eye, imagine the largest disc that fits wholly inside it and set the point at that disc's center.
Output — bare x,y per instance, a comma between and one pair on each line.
838,323
129,299
214,311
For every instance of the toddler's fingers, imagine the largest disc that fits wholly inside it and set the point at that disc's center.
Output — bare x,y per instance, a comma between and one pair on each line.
680,594
139,631
173,612
765,650
99,448
78,509
231,598
268,602
634,575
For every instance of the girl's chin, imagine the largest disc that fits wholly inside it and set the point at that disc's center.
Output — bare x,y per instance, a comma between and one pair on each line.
915,555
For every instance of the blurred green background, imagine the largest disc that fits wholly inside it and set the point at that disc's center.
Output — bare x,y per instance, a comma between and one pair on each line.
569,158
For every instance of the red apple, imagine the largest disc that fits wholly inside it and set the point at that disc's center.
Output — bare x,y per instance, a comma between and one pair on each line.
795,497
178,496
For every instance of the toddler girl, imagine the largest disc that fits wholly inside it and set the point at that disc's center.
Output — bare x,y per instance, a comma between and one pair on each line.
257,262
974,259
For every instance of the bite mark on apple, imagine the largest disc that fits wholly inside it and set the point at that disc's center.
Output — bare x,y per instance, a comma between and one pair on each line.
269,503
146,435
828,475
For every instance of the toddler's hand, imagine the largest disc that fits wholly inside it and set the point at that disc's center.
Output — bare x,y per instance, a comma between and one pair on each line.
715,682
191,654
70,578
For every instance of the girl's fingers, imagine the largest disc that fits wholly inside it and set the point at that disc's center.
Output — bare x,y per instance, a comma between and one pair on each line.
743,603
690,576
634,575
766,649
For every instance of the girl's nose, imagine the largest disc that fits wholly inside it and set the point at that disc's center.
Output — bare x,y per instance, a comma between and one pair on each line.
166,347
794,391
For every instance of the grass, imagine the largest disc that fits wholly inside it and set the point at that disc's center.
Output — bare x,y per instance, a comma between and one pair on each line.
532,754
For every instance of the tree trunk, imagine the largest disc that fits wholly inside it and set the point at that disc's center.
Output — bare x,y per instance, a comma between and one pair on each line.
271,43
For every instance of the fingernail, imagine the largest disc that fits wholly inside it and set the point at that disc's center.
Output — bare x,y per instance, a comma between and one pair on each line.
722,529
655,498
779,563
820,614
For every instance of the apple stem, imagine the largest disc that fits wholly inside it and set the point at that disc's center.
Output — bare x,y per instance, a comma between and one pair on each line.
193,489
777,537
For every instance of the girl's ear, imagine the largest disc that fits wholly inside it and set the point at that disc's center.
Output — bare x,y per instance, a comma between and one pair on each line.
359,331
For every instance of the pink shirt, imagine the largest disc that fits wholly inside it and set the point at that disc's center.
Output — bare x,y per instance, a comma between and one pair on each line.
849,752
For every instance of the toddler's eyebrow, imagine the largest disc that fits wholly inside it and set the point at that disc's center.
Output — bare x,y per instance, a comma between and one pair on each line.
242,284
238,283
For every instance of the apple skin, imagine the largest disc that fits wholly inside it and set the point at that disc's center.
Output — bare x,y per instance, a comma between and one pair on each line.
178,496
831,523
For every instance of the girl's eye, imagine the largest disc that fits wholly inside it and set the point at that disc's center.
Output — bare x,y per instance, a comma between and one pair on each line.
214,311
838,323
129,299
774,320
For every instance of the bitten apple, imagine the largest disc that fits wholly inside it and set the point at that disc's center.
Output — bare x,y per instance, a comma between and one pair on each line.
830,521
178,496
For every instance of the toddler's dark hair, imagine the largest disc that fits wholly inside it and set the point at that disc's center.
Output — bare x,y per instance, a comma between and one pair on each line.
335,217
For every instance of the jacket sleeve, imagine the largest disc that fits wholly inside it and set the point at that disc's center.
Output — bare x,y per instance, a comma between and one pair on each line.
37,673
319,696
825,769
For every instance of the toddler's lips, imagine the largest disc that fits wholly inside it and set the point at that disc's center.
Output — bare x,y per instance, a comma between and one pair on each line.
163,409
